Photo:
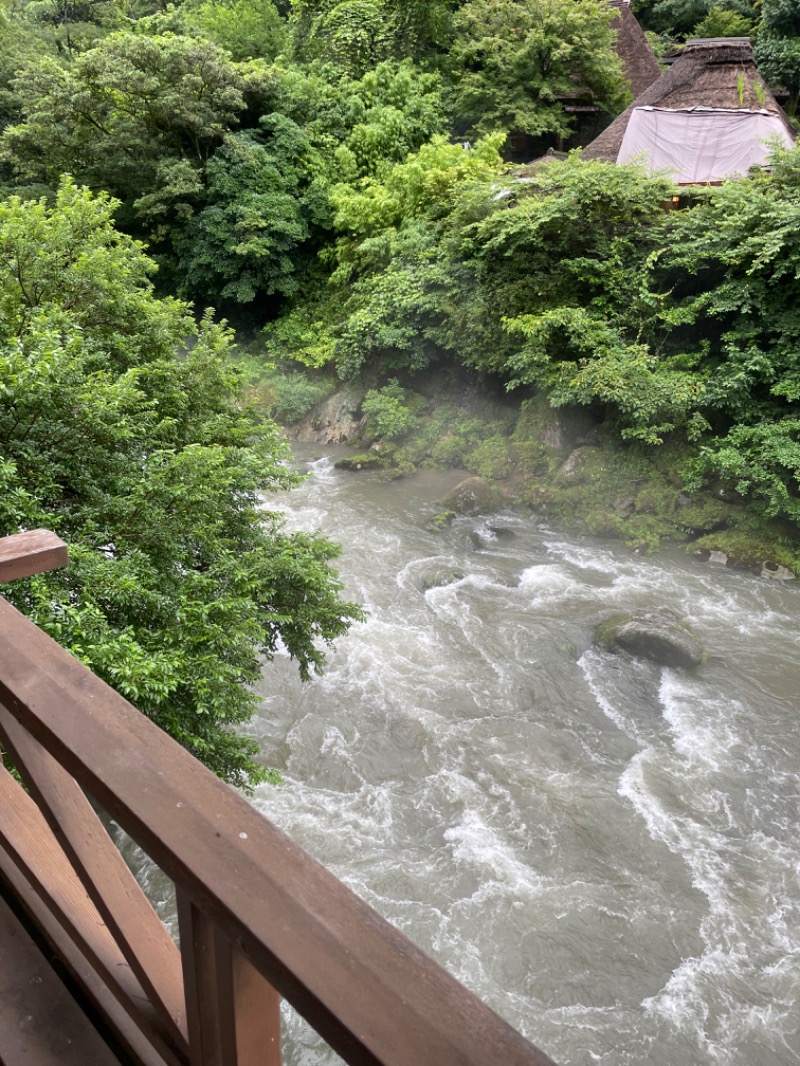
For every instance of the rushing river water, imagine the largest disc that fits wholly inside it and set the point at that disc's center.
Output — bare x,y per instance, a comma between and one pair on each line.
607,852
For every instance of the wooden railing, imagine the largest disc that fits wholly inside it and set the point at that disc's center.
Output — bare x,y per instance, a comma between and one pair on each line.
259,918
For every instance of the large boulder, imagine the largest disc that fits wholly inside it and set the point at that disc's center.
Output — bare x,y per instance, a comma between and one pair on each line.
364,461
336,420
655,633
473,496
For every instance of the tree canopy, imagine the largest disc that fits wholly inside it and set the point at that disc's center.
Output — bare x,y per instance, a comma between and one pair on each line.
122,428
516,63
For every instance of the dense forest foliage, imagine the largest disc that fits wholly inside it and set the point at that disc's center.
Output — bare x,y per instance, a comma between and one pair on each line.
333,178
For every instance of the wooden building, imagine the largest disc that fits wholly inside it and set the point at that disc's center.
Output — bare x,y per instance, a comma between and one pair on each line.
709,117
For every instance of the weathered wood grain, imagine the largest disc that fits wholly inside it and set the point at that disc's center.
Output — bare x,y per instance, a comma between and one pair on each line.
25,554
372,994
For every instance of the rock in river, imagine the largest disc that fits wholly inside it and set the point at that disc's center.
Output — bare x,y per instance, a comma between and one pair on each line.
473,496
654,633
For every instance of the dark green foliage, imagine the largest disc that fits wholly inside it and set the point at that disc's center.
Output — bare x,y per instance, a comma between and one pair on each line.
138,115
257,212
681,18
358,34
781,18
778,60
354,35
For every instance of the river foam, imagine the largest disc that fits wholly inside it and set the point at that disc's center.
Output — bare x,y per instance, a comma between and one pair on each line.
605,851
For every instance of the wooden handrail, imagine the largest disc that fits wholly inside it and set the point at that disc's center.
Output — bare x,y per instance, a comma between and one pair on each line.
25,554
253,906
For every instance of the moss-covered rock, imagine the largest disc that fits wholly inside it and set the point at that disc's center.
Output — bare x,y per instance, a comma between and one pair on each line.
657,634
365,461
564,464
473,496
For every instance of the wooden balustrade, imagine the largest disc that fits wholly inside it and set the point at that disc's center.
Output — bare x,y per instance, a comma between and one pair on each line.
259,918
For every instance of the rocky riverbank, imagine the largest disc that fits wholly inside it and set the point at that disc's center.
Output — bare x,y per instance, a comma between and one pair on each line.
563,463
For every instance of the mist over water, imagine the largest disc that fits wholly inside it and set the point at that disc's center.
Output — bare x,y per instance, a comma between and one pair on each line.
605,851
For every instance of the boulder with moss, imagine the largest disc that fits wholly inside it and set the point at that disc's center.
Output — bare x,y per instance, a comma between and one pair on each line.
472,496
654,633
365,461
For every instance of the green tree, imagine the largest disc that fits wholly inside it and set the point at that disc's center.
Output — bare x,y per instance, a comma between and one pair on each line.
353,35
256,216
75,25
777,48
387,410
781,17
681,18
516,62
398,286
729,278
357,34
138,115
720,22
138,451
248,29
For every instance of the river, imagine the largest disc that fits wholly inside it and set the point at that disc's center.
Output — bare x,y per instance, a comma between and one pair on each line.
607,852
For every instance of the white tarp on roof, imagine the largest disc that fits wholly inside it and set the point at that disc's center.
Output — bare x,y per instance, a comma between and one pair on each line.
701,144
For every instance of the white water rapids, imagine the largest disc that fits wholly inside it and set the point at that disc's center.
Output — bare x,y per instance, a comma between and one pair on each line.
607,852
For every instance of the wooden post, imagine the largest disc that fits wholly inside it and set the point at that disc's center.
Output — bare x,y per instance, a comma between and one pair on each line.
232,1012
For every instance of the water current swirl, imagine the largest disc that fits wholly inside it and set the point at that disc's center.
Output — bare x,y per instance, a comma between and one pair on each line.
607,852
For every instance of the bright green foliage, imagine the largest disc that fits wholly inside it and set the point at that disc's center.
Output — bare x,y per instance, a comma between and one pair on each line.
394,313
515,62
139,116
721,22
733,265
390,112
761,461
423,186
248,29
358,126
681,18
397,276
260,205
564,271
386,408
305,334
141,455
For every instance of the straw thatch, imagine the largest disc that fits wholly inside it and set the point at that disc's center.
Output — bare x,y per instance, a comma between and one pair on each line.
638,61
717,72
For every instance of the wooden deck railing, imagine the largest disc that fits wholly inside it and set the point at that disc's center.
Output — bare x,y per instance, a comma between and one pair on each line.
259,918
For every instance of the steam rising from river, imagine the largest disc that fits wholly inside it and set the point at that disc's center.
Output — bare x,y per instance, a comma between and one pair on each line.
606,852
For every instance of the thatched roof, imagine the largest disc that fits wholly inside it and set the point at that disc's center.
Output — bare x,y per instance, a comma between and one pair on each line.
717,72
638,61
